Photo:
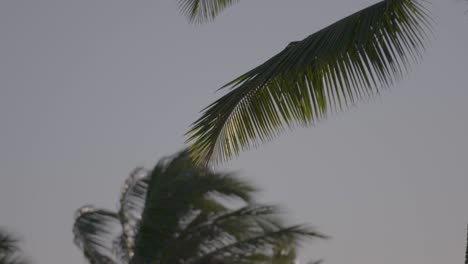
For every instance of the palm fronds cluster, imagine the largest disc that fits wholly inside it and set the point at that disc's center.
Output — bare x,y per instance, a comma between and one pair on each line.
180,213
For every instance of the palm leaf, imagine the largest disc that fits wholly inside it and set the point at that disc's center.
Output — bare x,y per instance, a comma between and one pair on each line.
250,234
206,230
200,11
265,241
132,202
329,71
93,234
176,188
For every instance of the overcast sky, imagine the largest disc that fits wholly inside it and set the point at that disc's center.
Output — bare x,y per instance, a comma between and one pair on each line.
90,89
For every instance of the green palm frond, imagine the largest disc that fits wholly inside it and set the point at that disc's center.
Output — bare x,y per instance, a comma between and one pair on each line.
220,226
248,235
175,189
93,233
265,240
329,71
200,11
132,202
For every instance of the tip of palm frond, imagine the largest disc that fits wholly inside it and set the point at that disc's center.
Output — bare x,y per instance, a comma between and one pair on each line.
203,11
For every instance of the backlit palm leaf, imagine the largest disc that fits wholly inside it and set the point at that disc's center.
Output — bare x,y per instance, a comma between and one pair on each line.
199,11
238,251
176,188
132,202
332,69
93,234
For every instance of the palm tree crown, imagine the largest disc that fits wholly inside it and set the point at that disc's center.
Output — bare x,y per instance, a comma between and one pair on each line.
181,213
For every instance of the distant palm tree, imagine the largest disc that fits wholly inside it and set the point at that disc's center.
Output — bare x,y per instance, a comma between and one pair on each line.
179,213
9,250
346,62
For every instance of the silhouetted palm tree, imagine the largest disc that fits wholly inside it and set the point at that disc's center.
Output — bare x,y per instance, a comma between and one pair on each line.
349,61
9,251
179,213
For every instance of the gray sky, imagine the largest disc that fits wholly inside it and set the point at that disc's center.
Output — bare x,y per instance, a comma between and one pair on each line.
90,89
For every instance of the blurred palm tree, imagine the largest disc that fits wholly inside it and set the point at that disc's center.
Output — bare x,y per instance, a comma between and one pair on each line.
10,252
179,213
331,70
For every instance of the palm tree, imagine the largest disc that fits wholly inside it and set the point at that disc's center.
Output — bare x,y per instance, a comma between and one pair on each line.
329,71
9,250
181,213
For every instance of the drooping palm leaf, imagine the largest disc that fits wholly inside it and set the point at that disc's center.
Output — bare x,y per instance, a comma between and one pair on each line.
175,189
238,251
225,225
332,69
93,233
132,202
199,11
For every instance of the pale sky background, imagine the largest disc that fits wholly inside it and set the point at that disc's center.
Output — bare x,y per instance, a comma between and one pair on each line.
90,89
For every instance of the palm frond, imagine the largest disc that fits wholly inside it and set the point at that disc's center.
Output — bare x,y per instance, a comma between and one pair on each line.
220,232
132,202
265,241
200,11
93,233
329,71
207,228
177,188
